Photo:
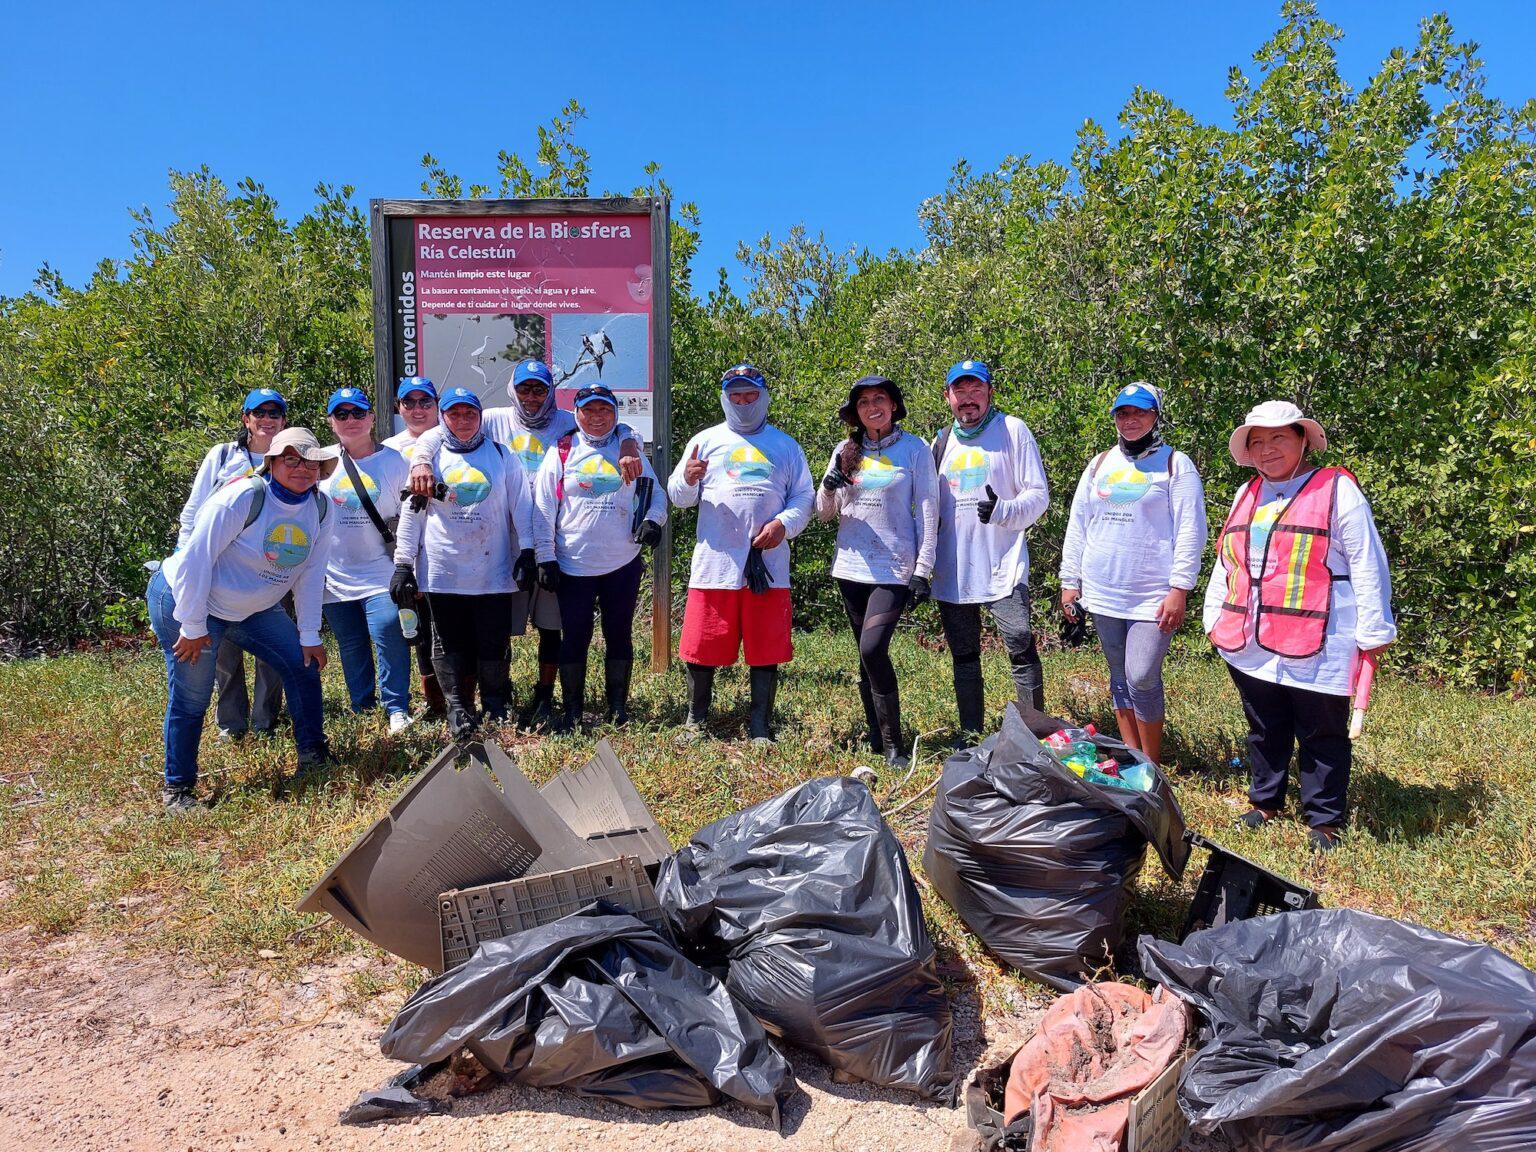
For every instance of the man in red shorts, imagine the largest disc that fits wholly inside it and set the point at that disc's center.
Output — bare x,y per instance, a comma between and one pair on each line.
753,490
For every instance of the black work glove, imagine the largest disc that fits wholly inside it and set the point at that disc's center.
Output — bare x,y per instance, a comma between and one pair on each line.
1074,626
649,535
758,579
523,569
985,508
549,576
834,479
402,586
920,589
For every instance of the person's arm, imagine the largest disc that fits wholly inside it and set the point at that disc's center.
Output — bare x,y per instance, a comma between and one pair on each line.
519,500
830,501
925,500
1216,587
203,486
631,456
1369,574
408,533
1190,530
800,497
309,588
215,530
424,460
1028,505
657,509
1071,571
546,507
682,492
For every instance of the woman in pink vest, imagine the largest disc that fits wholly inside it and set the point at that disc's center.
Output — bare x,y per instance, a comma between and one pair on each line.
1300,589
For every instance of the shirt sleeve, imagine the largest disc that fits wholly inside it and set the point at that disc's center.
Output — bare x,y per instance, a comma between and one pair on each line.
657,510
519,501
427,445
830,503
309,588
203,486
408,534
213,532
1187,496
1216,587
546,507
1369,573
679,491
800,496
1022,510
1077,530
925,498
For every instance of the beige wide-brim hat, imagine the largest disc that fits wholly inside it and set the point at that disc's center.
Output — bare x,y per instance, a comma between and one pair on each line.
302,441
1274,414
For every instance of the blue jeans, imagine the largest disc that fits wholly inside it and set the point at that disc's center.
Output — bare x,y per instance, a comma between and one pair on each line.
269,635
363,628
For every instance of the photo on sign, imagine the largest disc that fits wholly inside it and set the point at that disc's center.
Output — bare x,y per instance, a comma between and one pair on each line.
612,348
479,351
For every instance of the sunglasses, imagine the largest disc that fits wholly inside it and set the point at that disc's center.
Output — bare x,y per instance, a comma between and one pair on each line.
745,372
589,393
532,387
349,414
298,462
265,413
423,402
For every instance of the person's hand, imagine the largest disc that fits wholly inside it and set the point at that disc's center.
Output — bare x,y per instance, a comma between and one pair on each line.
649,535
834,479
314,654
1069,596
187,650
771,536
1170,613
985,508
422,481
549,575
920,589
694,470
402,586
630,466
523,569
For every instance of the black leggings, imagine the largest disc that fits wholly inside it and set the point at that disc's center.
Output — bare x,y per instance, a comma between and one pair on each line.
614,593
549,645
471,628
874,611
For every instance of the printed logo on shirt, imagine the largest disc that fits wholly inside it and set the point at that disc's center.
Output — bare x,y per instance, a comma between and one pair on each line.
530,449
244,474
1122,485
1264,518
747,465
466,484
876,472
344,494
408,451
967,470
286,545
595,477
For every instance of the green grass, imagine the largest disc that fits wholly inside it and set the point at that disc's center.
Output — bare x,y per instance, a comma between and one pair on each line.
1444,798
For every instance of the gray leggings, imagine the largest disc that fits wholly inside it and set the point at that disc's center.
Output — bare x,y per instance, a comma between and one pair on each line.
1135,651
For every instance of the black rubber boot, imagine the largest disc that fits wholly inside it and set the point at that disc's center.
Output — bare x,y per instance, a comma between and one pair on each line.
542,714
871,717
970,702
888,709
573,690
765,685
701,691
461,719
495,689
616,685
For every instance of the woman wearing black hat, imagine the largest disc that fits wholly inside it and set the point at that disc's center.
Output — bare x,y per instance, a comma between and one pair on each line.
882,484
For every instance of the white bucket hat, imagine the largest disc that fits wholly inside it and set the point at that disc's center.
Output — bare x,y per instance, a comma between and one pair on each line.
303,442
1274,414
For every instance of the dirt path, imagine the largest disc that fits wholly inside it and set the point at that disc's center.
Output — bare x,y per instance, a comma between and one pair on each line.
102,1052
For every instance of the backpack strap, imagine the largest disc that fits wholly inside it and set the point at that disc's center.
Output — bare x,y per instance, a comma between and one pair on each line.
940,443
362,498
563,446
258,486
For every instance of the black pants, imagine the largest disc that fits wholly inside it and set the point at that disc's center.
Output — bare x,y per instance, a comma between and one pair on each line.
615,595
549,645
1281,717
874,611
962,632
471,628
423,640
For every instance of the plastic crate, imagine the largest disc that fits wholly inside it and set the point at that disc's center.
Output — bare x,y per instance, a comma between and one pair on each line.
469,916
1233,887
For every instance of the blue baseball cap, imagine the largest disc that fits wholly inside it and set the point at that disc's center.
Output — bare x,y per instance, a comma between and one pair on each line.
1138,395
969,368
532,370
743,376
256,397
459,396
409,384
595,392
352,396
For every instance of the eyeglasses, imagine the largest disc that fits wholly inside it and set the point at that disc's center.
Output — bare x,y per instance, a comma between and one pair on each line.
424,402
349,414
265,413
532,388
298,462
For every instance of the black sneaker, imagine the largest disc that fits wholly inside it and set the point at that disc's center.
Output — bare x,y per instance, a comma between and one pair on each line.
179,801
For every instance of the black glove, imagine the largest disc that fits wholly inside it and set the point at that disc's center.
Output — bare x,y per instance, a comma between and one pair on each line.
834,479
549,576
758,579
920,589
523,569
649,535
402,586
1074,626
985,508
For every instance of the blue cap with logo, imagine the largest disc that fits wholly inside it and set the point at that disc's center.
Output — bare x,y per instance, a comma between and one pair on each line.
966,368
456,396
532,370
743,376
256,397
352,396
409,384
1138,395
595,392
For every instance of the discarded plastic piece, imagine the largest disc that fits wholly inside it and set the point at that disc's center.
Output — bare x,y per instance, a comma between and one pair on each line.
601,804
807,902
597,1003
1039,863
1233,887
452,828
1336,1029
393,1100
470,916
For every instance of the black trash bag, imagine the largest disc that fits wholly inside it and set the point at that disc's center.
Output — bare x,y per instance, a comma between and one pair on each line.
597,1003
1038,862
806,902
1333,1029
394,1100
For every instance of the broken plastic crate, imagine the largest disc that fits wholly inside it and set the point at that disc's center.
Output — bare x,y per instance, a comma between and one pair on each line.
1233,887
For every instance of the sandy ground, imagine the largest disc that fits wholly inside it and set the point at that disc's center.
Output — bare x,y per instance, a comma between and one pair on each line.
99,1052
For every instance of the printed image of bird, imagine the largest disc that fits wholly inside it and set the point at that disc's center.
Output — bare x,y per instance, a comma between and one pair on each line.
597,345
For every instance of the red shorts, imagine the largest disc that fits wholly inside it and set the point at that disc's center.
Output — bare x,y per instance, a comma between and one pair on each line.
718,620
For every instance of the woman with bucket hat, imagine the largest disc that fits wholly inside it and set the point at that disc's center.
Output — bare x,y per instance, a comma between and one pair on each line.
263,415
1300,590
590,526
253,542
883,487
1131,557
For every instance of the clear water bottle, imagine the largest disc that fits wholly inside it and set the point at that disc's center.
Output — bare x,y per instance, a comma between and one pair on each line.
408,623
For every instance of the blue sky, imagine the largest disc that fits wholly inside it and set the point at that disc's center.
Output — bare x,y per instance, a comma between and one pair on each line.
842,117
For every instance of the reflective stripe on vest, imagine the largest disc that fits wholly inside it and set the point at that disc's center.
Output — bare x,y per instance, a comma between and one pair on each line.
1295,582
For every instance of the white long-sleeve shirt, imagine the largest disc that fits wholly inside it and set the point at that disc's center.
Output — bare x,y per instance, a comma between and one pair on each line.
587,528
1137,529
232,572
360,566
978,563
1360,616
473,537
508,426
222,464
750,481
888,513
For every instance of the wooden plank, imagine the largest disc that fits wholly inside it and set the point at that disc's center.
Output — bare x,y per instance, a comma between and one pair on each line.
661,424
383,342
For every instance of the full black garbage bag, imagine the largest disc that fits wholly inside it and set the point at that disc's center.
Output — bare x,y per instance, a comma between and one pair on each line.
1038,862
1335,1029
597,1003
807,903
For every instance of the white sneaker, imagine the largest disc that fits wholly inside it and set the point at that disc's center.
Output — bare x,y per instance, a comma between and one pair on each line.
399,722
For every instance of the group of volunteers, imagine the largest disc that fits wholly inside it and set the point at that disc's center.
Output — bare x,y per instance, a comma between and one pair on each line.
470,524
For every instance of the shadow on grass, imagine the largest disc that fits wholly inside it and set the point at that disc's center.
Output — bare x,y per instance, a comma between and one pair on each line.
1393,810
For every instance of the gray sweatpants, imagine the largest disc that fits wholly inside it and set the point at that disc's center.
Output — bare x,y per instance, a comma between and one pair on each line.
1134,650
962,632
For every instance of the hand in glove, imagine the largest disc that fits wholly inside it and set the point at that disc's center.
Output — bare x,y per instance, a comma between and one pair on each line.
834,479
920,589
649,535
549,576
986,508
523,569
402,586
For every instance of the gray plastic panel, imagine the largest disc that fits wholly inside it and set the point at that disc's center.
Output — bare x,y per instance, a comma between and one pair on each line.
601,804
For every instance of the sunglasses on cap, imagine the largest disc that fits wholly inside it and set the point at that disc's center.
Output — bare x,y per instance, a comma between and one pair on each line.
268,412
743,372
348,413
597,391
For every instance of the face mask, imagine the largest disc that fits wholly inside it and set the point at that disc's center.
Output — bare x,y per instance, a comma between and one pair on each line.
1133,448
745,419
539,419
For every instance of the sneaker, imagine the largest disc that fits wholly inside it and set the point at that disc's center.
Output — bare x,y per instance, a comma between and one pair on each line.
178,800
399,722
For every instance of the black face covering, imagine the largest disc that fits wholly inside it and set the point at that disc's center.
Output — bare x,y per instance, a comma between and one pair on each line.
1141,446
